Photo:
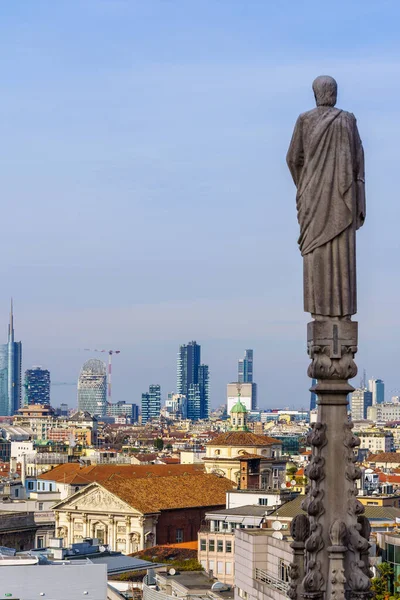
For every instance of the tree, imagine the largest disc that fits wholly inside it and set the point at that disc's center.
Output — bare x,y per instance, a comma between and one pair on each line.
380,584
159,444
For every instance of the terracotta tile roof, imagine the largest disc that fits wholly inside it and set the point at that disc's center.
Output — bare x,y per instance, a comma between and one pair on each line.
386,457
143,457
383,478
75,474
164,493
242,438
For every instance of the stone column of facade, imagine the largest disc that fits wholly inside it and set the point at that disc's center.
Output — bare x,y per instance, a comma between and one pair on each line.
70,527
128,536
85,519
112,538
336,549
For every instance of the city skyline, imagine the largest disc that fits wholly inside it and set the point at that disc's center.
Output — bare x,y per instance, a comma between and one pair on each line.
64,393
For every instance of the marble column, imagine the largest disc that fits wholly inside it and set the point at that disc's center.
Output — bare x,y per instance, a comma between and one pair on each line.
336,551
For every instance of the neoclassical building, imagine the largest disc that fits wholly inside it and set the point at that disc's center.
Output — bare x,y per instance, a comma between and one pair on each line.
132,514
227,453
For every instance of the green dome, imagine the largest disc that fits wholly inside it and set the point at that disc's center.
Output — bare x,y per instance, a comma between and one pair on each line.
239,407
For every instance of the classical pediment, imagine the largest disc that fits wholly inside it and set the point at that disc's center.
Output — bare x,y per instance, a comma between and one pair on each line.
94,498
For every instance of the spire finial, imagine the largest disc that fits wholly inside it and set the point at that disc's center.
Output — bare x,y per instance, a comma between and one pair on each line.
11,323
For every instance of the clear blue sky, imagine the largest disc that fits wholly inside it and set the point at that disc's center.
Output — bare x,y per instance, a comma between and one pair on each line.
145,196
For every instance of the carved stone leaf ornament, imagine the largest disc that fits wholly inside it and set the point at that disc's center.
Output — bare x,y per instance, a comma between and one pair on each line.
300,528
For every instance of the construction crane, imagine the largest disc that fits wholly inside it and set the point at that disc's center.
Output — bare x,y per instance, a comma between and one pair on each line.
109,370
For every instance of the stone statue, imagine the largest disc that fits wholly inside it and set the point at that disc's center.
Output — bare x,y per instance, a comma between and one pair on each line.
326,160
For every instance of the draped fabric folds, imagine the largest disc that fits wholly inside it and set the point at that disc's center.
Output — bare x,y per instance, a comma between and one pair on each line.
326,161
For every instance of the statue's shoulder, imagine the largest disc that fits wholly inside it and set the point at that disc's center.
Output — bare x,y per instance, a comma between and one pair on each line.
348,115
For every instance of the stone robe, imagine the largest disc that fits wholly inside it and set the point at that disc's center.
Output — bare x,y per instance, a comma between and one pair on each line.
326,160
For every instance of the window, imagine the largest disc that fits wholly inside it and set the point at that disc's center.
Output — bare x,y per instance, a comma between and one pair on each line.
30,485
203,545
211,565
40,542
204,564
179,536
283,571
220,566
40,506
51,487
220,546
228,568
263,501
228,546
16,493
275,472
211,545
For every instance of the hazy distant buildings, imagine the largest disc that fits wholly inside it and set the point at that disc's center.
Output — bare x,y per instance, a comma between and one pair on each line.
151,403
313,397
92,388
248,395
193,381
245,368
10,372
176,406
360,401
377,388
118,409
37,386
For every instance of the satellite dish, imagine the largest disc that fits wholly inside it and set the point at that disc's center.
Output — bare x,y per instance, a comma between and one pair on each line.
369,471
102,549
277,525
293,482
283,486
278,535
172,571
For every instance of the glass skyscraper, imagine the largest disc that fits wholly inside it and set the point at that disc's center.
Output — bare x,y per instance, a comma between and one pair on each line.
193,381
92,387
37,386
245,367
10,372
151,403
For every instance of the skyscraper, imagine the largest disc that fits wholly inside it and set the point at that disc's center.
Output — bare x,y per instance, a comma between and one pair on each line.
188,367
360,400
10,372
377,388
193,381
245,367
151,403
313,397
37,386
92,387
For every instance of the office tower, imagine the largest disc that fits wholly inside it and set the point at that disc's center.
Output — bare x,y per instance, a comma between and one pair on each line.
204,389
10,372
193,381
360,401
151,403
248,395
245,368
188,367
92,387
37,386
313,398
176,405
63,409
377,388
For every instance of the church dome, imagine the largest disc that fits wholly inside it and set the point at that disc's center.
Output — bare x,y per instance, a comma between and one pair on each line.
239,407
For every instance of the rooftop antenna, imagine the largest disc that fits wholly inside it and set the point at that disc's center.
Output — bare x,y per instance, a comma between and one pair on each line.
363,381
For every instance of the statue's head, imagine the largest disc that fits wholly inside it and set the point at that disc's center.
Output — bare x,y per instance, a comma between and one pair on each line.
325,90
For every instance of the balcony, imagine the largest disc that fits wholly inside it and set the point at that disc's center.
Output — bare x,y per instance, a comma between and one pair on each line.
266,578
